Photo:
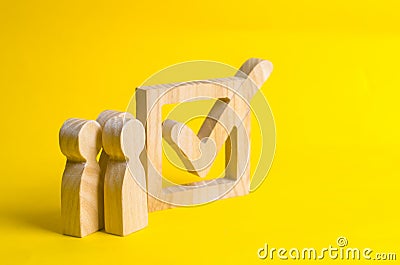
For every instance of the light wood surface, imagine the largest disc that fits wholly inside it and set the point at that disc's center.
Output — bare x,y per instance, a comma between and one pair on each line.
102,119
198,152
126,184
125,197
81,189
229,116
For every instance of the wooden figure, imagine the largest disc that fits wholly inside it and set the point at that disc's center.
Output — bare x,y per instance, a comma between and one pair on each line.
127,184
102,119
81,194
230,116
125,197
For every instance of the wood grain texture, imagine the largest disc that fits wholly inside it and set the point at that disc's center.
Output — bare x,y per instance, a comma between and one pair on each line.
149,104
234,94
102,119
125,196
81,194
198,152
128,182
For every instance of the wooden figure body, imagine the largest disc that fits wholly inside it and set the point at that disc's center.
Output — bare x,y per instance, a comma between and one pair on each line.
125,196
81,194
102,119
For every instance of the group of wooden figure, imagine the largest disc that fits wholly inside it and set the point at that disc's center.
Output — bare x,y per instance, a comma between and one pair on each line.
118,189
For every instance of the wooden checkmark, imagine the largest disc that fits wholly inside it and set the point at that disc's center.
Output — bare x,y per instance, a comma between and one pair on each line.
198,151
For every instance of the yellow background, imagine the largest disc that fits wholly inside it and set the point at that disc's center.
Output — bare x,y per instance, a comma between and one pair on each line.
334,93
